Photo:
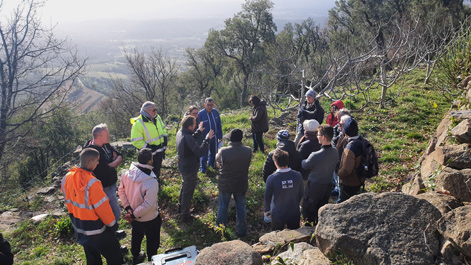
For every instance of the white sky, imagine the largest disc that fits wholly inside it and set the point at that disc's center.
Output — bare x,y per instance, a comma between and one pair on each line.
79,10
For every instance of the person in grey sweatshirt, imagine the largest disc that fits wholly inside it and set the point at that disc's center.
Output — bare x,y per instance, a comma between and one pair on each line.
321,166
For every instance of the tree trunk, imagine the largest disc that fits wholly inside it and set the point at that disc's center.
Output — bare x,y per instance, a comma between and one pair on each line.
243,95
384,87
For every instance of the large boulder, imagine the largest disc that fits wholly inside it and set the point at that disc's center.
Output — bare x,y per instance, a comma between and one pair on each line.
455,182
455,156
233,252
455,226
443,202
389,228
462,132
302,254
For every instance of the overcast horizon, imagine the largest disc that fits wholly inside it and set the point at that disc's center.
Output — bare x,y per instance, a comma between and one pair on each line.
66,11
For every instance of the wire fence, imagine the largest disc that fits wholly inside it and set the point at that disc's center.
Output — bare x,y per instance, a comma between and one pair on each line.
7,195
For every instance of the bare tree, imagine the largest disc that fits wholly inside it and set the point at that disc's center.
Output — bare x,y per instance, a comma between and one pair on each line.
154,75
36,71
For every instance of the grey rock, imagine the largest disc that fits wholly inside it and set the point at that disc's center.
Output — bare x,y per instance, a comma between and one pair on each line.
303,254
389,228
449,255
455,156
455,226
46,190
39,218
455,182
462,132
233,252
415,187
444,203
459,115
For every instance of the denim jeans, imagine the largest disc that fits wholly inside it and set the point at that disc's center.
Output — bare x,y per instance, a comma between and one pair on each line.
213,144
110,191
241,211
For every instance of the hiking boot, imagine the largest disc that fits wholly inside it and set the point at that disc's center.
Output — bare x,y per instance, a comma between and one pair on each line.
120,234
140,258
124,250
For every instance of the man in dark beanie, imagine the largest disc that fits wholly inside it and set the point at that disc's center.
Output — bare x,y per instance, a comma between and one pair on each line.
285,144
234,161
350,183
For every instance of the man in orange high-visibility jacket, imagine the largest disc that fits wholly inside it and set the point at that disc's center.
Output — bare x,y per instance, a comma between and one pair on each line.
90,211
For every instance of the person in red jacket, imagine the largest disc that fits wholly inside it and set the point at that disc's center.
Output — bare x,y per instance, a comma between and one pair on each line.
332,119
90,211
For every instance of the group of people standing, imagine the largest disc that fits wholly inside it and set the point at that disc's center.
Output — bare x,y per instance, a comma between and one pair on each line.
294,171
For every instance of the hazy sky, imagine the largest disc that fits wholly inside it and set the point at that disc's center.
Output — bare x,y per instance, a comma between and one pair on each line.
78,10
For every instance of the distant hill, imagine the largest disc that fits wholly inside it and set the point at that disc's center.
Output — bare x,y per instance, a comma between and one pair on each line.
83,99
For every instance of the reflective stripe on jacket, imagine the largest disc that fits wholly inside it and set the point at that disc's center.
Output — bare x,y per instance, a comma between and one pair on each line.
144,132
88,206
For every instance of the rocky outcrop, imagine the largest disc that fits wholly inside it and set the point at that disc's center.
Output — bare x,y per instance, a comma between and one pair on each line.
279,239
455,226
233,252
389,228
444,203
302,254
462,132
455,182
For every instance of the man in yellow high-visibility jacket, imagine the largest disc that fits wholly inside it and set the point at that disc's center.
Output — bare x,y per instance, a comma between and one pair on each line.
148,131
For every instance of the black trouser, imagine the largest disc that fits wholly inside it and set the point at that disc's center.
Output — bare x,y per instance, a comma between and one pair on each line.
347,191
277,224
258,141
151,229
105,244
315,196
158,157
189,181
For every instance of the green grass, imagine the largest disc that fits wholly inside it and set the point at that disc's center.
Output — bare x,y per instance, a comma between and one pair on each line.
399,133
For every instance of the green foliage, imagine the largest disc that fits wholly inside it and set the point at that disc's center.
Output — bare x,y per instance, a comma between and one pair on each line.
63,227
455,65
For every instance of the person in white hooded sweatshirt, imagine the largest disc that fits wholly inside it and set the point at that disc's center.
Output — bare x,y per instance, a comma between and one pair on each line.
138,193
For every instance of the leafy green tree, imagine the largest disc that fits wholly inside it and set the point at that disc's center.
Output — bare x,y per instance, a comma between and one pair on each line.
243,41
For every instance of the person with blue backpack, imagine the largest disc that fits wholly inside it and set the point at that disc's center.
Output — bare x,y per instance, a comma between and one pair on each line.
211,121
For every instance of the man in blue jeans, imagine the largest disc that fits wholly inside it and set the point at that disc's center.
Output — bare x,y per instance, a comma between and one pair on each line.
234,161
209,116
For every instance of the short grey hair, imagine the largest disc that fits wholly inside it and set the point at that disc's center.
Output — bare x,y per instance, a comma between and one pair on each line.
345,118
343,112
98,129
207,100
147,106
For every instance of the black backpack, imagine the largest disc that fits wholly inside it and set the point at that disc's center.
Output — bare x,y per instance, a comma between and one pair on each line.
369,160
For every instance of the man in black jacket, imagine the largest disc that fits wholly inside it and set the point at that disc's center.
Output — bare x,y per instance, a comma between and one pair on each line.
6,257
189,152
309,110
285,144
110,159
